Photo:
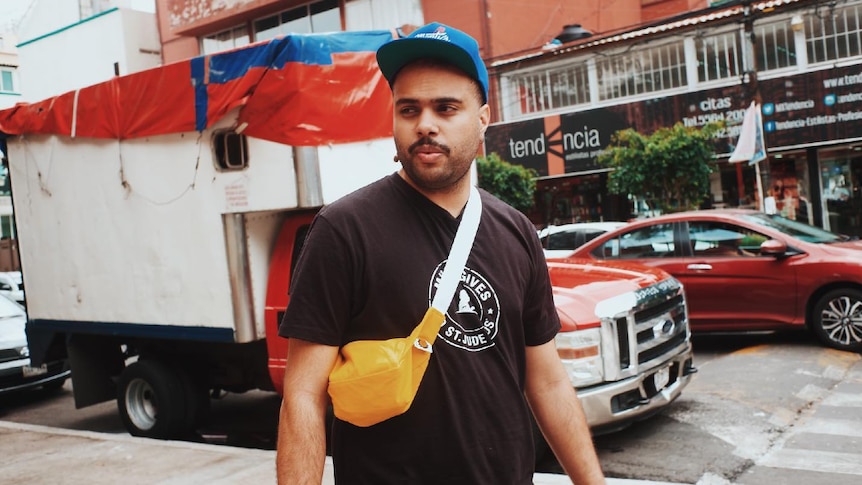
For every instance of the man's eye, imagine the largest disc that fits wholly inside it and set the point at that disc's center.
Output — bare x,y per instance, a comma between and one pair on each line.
444,108
407,110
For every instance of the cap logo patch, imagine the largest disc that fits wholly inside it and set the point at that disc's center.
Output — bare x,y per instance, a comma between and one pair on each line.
439,34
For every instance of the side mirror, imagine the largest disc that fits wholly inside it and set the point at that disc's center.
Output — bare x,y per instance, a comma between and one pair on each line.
773,247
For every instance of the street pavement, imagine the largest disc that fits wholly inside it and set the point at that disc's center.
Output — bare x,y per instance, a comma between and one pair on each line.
34,454
824,446
817,444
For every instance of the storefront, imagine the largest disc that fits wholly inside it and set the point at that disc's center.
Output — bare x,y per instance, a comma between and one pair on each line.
840,173
813,133
801,61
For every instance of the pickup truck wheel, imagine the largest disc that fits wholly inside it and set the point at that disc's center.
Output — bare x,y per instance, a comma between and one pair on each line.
152,401
837,319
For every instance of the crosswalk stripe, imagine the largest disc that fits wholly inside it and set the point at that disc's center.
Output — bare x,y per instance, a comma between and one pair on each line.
834,427
843,399
815,461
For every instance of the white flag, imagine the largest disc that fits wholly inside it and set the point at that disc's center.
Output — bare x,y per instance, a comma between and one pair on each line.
750,147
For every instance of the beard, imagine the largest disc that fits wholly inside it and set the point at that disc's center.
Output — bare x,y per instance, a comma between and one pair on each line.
440,177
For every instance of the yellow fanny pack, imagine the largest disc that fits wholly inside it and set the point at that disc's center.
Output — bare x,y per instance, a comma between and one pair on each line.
374,380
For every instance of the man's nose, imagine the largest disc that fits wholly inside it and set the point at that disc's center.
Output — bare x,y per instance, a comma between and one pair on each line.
426,124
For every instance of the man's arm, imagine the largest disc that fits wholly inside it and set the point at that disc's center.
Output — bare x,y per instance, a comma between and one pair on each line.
560,416
301,449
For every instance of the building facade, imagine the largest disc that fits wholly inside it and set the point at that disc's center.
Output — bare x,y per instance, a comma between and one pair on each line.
193,27
64,45
801,60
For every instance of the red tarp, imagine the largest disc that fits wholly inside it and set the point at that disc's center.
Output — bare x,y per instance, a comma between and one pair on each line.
299,90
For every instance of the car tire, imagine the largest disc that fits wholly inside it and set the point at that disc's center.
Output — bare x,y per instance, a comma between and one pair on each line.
837,319
153,402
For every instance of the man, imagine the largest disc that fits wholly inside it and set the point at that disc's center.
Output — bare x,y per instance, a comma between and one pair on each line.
367,271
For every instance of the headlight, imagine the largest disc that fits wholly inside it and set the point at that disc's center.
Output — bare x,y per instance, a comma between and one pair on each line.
580,352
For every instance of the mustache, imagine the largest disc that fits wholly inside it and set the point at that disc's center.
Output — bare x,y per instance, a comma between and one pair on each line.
428,141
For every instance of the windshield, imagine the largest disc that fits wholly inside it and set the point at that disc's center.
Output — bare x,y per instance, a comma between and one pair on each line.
796,229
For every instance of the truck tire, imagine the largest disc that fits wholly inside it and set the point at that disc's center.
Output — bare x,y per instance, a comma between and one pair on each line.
197,397
837,319
153,402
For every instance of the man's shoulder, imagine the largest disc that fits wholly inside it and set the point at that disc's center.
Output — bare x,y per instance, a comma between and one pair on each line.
363,199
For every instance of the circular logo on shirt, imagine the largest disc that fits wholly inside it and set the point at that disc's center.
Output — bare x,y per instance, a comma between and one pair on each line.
474,314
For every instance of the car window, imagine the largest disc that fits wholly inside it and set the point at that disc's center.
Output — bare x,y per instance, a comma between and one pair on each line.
796,229
718,239
9,308
646,242
563,240
591,234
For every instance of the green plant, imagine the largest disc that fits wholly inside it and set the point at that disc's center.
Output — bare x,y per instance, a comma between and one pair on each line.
513,184
669,168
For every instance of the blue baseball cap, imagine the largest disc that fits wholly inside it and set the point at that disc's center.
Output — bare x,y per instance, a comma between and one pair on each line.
438,41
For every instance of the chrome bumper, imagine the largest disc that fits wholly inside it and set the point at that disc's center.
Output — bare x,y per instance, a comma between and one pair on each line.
614,405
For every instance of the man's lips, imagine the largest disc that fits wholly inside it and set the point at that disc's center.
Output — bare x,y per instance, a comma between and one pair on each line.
426,149
427,146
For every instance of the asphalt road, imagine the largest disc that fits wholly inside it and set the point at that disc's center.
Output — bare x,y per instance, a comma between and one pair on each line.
740,415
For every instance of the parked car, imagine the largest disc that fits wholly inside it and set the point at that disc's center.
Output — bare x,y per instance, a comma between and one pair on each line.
746,270
12,285
560,241
16,373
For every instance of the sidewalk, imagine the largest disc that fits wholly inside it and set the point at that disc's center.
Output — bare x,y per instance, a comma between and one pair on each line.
38,454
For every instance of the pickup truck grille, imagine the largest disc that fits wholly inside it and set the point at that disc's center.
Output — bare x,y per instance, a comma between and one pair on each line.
654,330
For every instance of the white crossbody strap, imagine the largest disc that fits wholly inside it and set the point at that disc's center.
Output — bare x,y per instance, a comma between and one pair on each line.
460,250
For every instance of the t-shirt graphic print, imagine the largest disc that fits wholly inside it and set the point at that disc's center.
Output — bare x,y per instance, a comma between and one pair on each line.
473,317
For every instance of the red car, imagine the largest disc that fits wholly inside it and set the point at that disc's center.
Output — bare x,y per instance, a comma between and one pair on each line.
746,270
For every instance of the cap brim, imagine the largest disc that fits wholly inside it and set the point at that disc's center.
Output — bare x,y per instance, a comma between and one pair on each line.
395,55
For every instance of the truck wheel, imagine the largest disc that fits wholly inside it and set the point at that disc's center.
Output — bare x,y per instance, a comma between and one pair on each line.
197,397
837,319
152,401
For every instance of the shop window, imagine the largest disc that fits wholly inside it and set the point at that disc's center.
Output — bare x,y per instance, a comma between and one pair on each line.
224,40
833,33
841,195
644,71
230,150
322,16
774,46
718,57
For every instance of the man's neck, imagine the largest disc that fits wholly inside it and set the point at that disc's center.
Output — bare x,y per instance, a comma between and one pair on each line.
452,199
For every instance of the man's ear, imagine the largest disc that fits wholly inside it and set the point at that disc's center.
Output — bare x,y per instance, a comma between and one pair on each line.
484,118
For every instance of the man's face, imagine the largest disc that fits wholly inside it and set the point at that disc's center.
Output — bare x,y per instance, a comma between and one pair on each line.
439,123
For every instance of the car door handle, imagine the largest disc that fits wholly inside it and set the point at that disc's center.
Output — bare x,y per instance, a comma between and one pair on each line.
700,267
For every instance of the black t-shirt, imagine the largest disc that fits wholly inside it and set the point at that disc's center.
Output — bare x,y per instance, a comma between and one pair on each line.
367,271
